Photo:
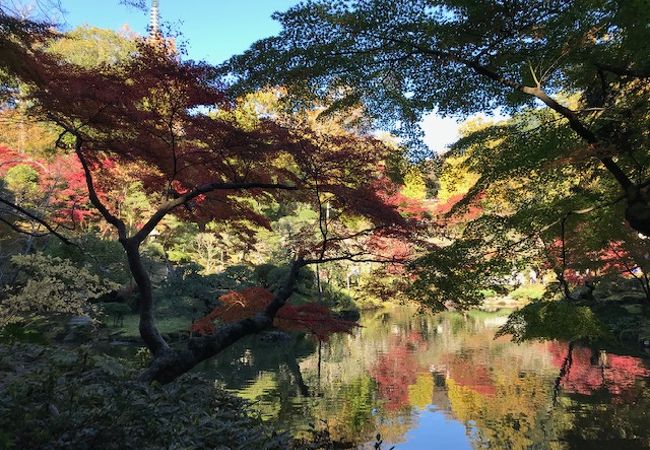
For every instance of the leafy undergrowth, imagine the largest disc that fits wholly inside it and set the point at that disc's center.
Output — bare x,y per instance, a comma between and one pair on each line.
528,292
56,398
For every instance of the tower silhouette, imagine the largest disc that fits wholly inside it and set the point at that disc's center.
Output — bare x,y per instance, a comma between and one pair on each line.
154,26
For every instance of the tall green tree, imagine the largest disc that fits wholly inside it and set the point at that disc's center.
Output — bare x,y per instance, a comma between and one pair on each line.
404,58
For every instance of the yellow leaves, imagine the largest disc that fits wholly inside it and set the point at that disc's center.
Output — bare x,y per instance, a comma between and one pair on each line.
252,108
23,133
53,286
414,184
474,124
93,47
420,393
455,178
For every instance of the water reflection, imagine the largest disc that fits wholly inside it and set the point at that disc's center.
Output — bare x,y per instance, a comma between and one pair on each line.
442,381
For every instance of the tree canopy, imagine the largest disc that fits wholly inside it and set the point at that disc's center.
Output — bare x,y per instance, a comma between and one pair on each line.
147,115
401,59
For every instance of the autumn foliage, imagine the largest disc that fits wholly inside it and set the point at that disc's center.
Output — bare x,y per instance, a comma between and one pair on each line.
612,259
397,369
585,374
237,305
60,183
172,127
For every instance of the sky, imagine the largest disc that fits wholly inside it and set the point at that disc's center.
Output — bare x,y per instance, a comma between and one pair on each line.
214,30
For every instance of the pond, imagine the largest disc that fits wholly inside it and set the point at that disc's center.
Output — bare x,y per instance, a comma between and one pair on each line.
442,381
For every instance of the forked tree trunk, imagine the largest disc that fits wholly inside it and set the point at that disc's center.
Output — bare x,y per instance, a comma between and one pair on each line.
168,364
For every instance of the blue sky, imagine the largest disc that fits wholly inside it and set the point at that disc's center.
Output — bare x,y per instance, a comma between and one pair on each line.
214,30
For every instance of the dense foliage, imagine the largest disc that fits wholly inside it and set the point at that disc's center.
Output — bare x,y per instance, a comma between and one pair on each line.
76,398
570,158
148,198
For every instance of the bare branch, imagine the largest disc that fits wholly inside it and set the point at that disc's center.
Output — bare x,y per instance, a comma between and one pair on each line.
17,229
35,218
170,205
92,193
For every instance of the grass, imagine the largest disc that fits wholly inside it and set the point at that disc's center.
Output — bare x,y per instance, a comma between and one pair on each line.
528,292
165,325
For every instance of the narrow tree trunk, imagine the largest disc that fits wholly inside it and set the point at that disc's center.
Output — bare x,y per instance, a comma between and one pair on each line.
294,368
148,331
564,371
319,284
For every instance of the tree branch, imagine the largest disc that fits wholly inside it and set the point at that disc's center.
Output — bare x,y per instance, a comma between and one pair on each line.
19,230
92,193
35,218
356,257
169,365
536,91
170,205
624,71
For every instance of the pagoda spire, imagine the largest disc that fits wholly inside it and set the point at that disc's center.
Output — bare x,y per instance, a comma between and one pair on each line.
154,26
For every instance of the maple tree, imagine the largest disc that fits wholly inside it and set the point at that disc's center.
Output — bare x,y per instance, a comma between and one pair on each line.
151,116
401,59
528,203
309,317
571,76
58,181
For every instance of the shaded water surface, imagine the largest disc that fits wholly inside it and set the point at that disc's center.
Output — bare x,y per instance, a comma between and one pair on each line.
444,382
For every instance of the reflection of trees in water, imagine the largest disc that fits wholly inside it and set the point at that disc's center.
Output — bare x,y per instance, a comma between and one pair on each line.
508,418
595,424
606,396
396,370
514,407
244,362
267,373
399,363
585,371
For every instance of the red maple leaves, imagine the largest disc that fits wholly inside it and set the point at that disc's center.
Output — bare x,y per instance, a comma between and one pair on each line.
614,373
310,317
61,184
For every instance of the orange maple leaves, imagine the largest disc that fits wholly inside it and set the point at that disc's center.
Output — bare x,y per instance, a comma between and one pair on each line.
237,305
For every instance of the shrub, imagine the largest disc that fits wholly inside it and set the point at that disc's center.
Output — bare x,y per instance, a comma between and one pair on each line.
51,286
80,400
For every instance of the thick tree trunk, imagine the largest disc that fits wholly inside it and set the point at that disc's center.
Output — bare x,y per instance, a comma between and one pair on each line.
171,364
637,212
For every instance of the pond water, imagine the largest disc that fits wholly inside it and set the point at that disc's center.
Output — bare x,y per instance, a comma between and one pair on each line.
443,382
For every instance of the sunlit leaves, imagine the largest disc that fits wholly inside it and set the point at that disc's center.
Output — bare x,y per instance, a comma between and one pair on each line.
310,317
554,320
51,286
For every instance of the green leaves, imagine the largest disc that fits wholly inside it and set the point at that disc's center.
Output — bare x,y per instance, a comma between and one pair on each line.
457,275
52,286
554,320
403,58
78,399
